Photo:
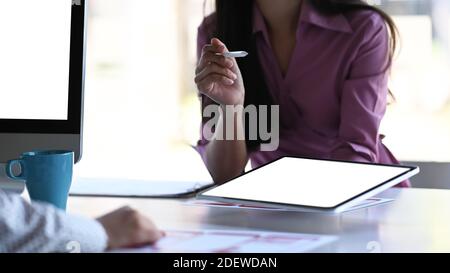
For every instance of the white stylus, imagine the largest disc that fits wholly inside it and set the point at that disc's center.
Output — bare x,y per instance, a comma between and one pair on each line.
234,54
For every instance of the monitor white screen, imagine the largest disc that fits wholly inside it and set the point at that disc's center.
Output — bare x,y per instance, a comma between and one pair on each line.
306,182
35,55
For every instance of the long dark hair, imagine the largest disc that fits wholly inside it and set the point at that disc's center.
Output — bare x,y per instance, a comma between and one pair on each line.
234,27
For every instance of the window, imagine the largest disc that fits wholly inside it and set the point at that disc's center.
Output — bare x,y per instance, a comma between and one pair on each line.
141,108
417,125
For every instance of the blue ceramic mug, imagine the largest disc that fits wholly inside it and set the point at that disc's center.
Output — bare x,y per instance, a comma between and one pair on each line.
47,175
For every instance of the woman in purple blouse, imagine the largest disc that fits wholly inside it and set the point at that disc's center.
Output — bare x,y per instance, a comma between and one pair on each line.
324,62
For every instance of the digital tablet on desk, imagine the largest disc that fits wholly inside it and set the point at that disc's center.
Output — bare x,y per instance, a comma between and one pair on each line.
310,184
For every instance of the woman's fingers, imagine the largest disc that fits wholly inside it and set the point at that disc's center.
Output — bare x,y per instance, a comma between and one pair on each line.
223,48
206,85
219,44
213,57
211,53
213,68
213,48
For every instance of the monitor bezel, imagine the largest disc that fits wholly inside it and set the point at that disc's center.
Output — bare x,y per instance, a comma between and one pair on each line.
73,124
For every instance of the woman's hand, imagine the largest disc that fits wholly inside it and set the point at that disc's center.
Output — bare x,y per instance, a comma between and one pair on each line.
126,227
219,77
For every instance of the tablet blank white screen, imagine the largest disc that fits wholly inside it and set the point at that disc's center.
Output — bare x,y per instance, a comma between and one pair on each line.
34,59
305,182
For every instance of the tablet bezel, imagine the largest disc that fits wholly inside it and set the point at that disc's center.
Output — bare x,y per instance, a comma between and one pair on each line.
409,172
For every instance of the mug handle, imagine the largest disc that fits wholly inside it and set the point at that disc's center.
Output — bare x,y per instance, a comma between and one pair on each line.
9,171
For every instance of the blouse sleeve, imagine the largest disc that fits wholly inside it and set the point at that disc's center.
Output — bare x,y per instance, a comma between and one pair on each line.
364,97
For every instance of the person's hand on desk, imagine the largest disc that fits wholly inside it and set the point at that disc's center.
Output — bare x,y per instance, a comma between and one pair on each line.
127,227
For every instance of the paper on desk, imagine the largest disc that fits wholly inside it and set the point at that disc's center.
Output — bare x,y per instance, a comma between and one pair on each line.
226,241
371,202
374,201
206,203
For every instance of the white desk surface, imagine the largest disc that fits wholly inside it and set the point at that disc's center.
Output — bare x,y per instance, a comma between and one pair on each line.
418,221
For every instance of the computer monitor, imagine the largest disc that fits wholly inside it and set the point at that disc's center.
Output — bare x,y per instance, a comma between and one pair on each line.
42,53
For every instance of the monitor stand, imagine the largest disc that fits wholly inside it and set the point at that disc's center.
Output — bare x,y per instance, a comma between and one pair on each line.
8,184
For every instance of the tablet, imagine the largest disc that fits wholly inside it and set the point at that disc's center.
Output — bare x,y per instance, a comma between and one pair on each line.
310,184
